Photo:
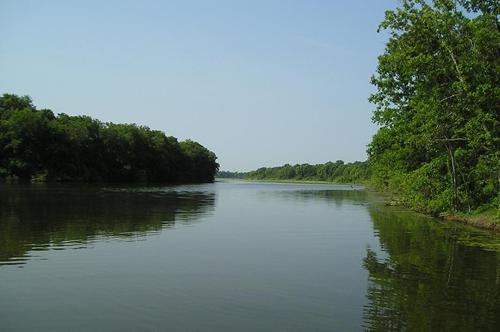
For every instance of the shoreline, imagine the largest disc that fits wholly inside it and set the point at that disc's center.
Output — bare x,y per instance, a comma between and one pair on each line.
486,220
299,182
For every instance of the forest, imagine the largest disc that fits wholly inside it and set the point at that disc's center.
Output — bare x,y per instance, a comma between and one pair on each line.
338,172
37,145
231,175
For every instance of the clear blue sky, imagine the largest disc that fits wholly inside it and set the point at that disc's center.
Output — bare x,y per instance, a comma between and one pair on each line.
260,83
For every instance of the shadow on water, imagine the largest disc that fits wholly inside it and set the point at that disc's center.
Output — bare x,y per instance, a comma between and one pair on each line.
335,197
42,217
429,277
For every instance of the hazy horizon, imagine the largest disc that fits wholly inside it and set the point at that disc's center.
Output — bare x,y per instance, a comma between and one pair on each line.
258,83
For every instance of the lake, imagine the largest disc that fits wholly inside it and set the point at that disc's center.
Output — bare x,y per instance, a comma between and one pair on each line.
237,256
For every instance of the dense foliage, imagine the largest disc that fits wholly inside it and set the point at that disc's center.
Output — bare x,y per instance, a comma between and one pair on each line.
37,144
231,175
438,105
338,172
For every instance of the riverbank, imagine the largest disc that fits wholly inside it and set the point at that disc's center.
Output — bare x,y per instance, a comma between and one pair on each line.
366,185
488,219
482,218
363,184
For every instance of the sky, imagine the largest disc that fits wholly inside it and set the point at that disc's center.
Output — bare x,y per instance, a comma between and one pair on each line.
260,83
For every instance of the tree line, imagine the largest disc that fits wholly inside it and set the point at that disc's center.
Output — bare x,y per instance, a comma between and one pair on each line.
338,172
438,105
231,175
36,144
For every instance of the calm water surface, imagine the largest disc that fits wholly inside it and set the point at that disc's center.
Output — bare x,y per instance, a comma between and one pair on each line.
236,256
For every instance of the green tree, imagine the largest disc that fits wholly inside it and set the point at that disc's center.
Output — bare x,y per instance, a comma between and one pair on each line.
438,104
338,172
36,144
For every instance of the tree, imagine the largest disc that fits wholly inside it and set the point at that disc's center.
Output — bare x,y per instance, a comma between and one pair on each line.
438,104
36,144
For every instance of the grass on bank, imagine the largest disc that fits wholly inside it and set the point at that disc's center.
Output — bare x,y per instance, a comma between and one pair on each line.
485,218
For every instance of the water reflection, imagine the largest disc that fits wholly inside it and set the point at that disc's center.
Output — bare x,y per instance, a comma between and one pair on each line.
272,257
329,196
39,217
428,278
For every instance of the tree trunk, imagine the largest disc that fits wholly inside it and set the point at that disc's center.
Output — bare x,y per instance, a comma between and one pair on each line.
451,153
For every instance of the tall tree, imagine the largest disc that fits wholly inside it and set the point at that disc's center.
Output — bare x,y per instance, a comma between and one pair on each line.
438,104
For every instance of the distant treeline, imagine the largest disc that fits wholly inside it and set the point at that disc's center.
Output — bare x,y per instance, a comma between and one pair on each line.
338,172
231,175
39,145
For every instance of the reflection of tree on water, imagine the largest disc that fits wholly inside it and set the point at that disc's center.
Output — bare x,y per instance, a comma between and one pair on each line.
430,280
337,197
37,217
